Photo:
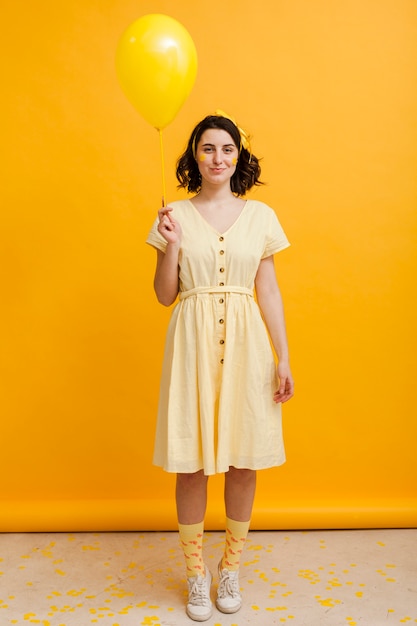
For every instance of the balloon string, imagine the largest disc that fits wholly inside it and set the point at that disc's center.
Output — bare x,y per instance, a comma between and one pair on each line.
161,145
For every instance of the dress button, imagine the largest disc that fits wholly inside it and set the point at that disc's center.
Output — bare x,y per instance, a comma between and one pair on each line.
221,300
222,361
222,269
221,321
221,341
221,252
221,238
221,284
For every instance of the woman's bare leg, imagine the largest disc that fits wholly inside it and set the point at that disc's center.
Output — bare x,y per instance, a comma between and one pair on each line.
239,493
191,497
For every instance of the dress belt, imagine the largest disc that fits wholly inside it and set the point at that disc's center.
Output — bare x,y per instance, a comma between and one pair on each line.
224,289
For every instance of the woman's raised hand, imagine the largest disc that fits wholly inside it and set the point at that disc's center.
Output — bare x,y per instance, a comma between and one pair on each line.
168,227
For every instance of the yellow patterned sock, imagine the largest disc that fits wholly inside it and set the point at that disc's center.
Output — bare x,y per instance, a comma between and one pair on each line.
236,533
191,540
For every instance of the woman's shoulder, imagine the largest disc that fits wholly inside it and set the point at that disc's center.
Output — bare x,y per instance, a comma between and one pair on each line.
258,203
260,207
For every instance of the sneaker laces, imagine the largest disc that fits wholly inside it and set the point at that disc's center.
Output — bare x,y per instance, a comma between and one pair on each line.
198,592
228,584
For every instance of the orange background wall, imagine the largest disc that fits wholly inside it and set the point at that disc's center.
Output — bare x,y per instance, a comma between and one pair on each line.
329,92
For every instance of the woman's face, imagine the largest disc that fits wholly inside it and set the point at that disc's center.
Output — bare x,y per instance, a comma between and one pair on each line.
216,156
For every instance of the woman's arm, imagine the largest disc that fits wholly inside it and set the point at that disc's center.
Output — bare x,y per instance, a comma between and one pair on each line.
166,273
272,309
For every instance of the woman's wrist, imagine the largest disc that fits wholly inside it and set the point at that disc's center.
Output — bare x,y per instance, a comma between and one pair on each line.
283,358
173,245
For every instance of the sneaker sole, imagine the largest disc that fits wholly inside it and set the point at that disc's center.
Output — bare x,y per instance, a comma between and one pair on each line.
198,618
228,611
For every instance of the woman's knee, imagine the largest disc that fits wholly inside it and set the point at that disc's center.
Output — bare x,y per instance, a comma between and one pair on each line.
193,479
241,476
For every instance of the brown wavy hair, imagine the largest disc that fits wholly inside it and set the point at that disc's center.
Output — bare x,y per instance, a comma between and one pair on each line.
247,172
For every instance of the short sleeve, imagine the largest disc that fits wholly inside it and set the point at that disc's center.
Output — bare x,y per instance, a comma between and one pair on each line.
155,239
276,240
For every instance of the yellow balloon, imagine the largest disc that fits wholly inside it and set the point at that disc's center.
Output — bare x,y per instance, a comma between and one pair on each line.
156,64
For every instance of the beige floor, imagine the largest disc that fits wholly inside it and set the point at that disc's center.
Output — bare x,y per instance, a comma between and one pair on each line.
317,578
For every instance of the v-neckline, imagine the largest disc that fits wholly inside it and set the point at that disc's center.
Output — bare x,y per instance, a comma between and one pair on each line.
212,227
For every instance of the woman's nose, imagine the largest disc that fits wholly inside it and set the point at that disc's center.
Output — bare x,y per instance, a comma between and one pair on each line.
218,156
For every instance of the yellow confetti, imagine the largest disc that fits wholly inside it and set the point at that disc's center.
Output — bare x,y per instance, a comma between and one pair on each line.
47,553
75,593
327,601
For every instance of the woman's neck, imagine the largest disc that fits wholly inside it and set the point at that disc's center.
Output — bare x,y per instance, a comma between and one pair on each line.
215,196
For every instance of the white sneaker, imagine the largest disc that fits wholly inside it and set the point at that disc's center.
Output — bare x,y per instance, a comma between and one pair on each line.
199,606
229,598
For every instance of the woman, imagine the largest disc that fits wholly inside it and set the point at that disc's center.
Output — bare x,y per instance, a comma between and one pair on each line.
221,392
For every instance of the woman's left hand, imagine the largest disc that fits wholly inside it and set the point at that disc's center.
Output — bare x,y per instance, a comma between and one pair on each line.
286,384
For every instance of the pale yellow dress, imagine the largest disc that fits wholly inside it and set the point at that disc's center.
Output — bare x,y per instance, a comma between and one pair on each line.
216,406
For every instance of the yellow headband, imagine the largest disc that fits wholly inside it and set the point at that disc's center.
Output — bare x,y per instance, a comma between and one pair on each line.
244,137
